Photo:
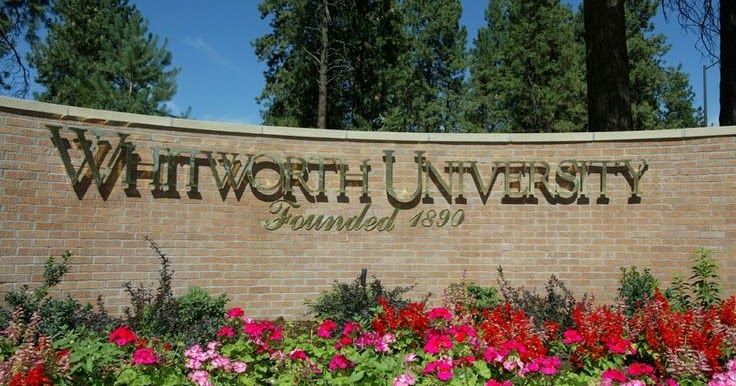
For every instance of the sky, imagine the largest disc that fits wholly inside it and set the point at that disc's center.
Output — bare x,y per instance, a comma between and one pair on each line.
220,76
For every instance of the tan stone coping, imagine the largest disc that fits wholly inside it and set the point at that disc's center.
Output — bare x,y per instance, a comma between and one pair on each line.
114,118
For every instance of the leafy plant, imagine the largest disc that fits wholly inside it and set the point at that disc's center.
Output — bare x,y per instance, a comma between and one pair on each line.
467,296
556,305
704,280
356,300
200,315
636,287
678,293
57,315
193,317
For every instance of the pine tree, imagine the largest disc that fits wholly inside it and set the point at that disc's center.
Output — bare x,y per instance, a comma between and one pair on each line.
18,18
363,46
99,54
661,96
527,69
431,90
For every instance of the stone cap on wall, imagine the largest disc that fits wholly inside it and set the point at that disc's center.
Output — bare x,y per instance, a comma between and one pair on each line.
114,118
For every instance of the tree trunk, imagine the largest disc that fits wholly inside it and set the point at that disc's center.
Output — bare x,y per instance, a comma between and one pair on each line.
323,68
607,64
728,63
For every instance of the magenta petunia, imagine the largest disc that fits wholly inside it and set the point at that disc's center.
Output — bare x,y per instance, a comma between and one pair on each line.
326,328
144,356
235,312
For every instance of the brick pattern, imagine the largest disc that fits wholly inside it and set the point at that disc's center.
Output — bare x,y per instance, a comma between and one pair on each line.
220,244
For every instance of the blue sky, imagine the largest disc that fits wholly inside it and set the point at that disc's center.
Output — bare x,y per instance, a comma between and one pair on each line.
220,78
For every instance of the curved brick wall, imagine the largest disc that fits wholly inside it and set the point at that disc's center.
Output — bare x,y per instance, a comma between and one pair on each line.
217,238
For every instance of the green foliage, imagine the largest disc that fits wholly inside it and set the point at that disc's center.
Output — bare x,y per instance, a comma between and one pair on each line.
704,280
92,360
356,301
485,297
57,315
678,294
429,92
201,314
465,296
636,288
702,288
99,54
555,305
527,69
661,97
193,318
18,19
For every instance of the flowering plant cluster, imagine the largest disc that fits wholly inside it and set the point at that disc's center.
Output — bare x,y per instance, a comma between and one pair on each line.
34,361
413,346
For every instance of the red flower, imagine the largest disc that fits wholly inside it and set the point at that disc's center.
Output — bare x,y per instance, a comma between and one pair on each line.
235,312
614,375
339,362
122,336
34,377
226,331
638,369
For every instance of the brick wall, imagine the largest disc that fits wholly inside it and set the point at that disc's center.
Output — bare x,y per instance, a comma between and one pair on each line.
217,240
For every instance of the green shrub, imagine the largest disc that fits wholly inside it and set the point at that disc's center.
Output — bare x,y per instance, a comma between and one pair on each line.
485,297
200,315
193,318
57,315
636,287
555,305
467,296
356,301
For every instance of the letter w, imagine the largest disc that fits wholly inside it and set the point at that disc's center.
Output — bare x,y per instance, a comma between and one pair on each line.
93,155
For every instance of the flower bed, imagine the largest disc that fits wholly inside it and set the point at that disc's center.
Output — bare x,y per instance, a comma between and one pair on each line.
656,345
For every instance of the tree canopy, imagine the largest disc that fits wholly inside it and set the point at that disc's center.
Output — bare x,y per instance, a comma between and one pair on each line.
99,54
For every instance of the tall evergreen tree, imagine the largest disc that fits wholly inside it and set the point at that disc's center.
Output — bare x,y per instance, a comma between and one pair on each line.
430,94
352,54
18,19
661,96
99,54
527,69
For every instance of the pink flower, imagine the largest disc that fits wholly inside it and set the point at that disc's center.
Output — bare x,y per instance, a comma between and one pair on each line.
494,382
339,361
235,312
122,336
439,313
326,329
404,380
350,328
226,331
298,354
671,382
436,343
617,345
462,332
571,337
410,357
442,368
614,375
492,355
638,369
201,378
549,365
144,356
239,367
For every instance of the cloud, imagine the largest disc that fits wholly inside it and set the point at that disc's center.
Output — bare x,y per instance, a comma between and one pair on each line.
215,56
